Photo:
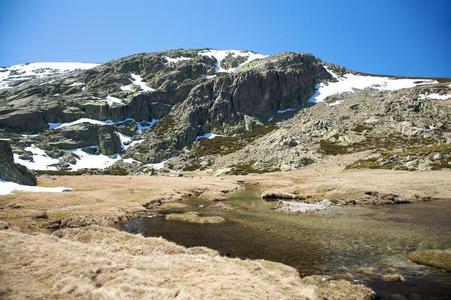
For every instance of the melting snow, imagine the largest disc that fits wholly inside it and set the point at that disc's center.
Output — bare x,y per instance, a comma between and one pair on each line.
171,60
219,55
285,110
29,71
435,96
158,166
113,100
93,161
41,161
79,121
8,187
208,135
125,139
141,126
350,82
144,125
137,80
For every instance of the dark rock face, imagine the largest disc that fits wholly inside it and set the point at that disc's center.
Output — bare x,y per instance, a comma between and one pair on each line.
85,135
10,171
234,103
188,95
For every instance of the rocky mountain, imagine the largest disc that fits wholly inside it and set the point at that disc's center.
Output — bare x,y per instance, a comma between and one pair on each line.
222,111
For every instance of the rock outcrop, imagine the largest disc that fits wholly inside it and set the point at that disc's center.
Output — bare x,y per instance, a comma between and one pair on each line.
9,171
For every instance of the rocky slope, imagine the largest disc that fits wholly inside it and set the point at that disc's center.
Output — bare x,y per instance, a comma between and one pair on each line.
223,111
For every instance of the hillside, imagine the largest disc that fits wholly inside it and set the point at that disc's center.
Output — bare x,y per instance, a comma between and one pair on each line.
223,111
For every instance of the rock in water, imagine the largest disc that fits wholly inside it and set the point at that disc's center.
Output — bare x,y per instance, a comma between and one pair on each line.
10,171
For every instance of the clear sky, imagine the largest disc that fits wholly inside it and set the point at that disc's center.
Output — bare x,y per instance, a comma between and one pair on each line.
403,37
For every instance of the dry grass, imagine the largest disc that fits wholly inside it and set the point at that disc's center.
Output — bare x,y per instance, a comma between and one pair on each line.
103,263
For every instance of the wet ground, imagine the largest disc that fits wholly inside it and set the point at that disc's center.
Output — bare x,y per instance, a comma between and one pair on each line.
332,242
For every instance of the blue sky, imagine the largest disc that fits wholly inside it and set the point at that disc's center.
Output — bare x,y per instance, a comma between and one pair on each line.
388,37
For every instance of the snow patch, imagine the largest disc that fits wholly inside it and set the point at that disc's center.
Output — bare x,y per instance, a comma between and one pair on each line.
145,125
113,100
24,72
208,135
351,82
40,161
8,187
92,161
125,139
158,166
435,96
285,110
53,126
219,55
138,81
171,60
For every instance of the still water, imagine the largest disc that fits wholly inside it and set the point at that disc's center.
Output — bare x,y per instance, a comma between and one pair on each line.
331,242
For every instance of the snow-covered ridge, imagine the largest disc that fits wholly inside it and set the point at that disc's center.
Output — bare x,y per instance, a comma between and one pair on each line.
16,74
219,55
351,82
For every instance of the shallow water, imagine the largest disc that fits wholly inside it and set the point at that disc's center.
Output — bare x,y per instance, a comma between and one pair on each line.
332,242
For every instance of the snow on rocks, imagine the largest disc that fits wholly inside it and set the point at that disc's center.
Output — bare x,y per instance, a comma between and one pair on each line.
157,166
141,126
113,100
40,161
435,96
175,60
137,81
351,82
285,110
145,125
208,135
125,140
8,187
53,126
300,207
24,72
219,55
92,161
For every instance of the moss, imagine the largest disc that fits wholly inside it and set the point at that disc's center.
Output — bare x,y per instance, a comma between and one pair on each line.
421,152
164,126
330,148
247,168
223,145
116,171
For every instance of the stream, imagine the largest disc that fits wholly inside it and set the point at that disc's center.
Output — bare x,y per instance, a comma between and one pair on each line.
332,242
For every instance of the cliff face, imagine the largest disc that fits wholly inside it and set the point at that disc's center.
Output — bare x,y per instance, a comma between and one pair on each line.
9,171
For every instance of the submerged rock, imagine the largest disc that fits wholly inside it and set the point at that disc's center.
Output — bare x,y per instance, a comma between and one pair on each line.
193,217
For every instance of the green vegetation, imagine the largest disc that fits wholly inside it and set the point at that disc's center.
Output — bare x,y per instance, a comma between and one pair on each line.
394,159
223,145
164,126
247,168
330,148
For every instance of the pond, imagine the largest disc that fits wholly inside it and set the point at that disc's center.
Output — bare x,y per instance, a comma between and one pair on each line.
332,242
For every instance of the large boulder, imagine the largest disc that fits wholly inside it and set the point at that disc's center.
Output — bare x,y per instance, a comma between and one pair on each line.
10,171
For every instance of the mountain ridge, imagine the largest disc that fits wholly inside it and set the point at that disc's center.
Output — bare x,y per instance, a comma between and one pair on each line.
183,97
